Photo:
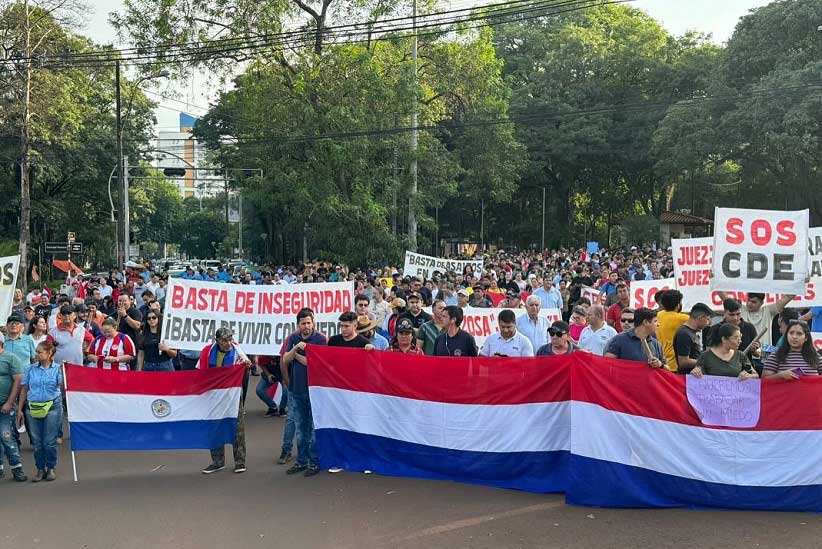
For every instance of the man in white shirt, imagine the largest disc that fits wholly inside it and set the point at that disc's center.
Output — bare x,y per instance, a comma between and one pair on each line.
507,342
596,335
533,326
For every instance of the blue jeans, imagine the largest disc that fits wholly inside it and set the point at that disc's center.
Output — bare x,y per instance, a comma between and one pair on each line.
165,366
8,443
262,392
304,423
289,429
44,436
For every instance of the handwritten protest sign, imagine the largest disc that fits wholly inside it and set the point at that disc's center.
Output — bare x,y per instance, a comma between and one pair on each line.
643,291
425,265
481,322
760,249
725,401
8,281
262,317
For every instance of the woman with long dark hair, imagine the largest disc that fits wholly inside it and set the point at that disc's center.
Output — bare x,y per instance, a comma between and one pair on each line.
796,356
38,329
724,358
154,354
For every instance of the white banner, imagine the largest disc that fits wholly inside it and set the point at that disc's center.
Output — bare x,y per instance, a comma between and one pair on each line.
593,295
756,250
262,317
644,291
425,265
8,282
481,322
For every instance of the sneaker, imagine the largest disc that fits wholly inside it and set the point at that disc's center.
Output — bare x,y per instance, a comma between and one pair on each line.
19,475
2,472
285,457
367,472
283,412
50,475
59,440
213,468
270,413
335,470
39,476
239,468
311,470
296,468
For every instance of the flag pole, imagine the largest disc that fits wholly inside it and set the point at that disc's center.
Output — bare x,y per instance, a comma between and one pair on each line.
73,459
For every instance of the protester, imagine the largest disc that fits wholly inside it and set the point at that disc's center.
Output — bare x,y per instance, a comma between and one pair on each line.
455,341
761,315
224,352
295,376
12,370
596,335
670,319
129,316
367,328
559,342
398,309
479,299
17,343
723,357
378,308
639,343
549,296
429,332
796,357
404,342
154,354
71,340
623,300
507,342
687,341
415,313
361,303
577,323
112,349
38,329
532,325
270,376
732,314
28,316
41,402
462,298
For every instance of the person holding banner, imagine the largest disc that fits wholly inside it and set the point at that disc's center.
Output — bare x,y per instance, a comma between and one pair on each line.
639,343
560,344
404,342
507,342
455,341
687,345
224,352
723,357
670,319
429,332
111,348
761,315
597,333
42,404
796,357
531,325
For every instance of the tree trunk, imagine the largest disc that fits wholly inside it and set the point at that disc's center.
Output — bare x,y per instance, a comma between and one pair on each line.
25,151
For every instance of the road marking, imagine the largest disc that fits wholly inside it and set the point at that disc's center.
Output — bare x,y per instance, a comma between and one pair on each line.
475,521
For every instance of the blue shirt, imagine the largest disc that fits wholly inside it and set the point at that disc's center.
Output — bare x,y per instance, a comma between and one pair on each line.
536,332
43,383
451,300
816,323
298,371
22,348
549,299
628,346
379,342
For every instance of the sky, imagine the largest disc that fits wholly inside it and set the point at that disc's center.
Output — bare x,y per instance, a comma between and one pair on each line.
717,17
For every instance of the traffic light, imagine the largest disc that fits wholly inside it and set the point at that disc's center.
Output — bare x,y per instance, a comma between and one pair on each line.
174,172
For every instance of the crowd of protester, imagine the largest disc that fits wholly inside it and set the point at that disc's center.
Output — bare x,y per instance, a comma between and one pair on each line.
115,322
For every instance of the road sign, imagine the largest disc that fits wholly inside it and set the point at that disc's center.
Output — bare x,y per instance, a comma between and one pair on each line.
71,236
63,247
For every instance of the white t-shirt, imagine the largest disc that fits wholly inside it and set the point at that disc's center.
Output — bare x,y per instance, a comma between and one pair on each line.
761,319
596,341
495,344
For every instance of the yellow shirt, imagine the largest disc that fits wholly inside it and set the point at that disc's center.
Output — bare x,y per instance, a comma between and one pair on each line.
669,323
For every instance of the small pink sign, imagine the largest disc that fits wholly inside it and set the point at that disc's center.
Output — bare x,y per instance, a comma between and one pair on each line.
725,401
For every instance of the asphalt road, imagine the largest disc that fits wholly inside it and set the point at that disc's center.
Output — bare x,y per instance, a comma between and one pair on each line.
160,499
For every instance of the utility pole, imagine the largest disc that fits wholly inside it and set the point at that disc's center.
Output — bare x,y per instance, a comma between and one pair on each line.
412,192
240,227
25,151
122,252
542,242
126,211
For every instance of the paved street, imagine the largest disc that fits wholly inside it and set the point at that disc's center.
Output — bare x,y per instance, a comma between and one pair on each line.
157,499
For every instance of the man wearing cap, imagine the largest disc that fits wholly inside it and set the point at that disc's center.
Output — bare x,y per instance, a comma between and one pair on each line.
512,301
532,325
367,328
479,299
28,316
72,340
507,342
404,341
415,313
224,352
81,313
17,343
462,298
560,343
11,374
398,309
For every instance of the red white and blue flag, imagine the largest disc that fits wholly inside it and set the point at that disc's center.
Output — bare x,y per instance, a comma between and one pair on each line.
114,410
605,432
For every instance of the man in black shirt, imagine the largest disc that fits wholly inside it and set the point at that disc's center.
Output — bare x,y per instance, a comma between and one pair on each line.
415,313
733,315
348,336
455,341
129,317
687,346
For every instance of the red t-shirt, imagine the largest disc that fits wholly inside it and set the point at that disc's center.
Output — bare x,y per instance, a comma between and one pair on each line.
613,316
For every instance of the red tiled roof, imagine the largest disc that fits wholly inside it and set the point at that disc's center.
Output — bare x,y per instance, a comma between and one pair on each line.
676,218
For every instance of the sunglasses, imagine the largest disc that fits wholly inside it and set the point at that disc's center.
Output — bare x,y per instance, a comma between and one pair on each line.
555,333
151,318
626,319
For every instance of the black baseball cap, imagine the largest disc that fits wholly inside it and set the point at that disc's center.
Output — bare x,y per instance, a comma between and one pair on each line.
14,317
413,295
66,310
405,325
559,327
